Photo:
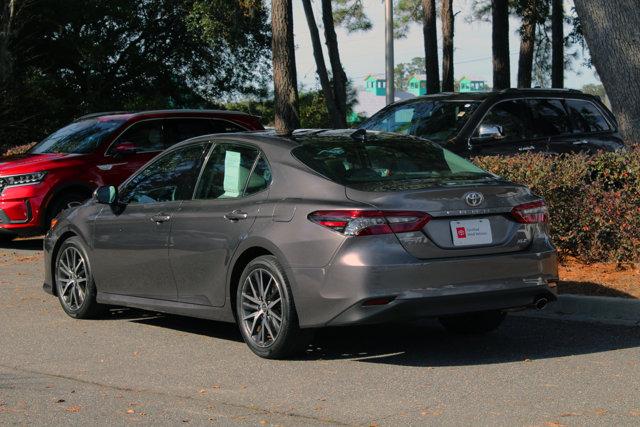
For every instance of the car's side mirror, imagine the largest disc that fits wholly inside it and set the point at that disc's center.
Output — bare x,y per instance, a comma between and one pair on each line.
107,195
125,148
490,131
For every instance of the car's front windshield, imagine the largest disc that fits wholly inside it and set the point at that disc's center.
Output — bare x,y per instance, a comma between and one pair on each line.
385,158
438,120
77,138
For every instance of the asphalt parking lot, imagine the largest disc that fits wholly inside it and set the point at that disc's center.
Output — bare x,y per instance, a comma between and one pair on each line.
144,368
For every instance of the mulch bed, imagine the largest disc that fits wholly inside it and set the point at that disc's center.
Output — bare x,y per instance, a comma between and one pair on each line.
599,279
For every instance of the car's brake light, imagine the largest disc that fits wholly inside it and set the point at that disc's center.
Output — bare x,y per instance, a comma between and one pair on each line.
367,223
531,213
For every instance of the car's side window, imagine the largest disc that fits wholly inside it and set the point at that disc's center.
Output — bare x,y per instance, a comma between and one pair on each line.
260,177
170,178
145,136
511,118
549,118
587,118
227,173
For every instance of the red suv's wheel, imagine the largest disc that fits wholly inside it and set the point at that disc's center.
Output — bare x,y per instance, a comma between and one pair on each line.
62,202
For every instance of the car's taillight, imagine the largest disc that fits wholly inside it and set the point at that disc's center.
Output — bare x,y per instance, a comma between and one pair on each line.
531,213
367,223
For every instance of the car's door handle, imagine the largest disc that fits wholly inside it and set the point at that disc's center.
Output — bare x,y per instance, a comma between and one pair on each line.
527,148
236,215
581,142
160,218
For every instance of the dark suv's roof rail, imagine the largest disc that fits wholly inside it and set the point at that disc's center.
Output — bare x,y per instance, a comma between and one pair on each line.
541,89
104,113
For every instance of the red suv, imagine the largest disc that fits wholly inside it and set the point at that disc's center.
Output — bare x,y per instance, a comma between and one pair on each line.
95,150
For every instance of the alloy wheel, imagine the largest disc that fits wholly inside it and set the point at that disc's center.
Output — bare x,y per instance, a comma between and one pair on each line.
71,278
262,307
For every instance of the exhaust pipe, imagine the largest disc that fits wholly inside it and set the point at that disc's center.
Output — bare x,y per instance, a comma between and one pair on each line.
540,303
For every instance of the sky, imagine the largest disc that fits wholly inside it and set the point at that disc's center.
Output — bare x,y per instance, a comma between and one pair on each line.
363,53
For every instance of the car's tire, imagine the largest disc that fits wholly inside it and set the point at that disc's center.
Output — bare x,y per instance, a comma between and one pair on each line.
74,283
62,202
473,323
266,313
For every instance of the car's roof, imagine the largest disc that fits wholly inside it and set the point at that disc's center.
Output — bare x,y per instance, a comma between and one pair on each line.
127,115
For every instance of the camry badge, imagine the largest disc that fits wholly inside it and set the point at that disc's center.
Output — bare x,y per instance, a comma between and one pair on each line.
473,198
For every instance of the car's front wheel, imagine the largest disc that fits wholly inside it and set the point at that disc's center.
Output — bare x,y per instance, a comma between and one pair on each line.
74,282
474,323
266,312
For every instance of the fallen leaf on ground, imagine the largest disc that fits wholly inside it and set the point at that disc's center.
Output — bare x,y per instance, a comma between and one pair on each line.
130,411
634,413
601,411
570,414
72,409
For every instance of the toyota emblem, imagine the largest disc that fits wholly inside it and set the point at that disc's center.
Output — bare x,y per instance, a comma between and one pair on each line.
473,198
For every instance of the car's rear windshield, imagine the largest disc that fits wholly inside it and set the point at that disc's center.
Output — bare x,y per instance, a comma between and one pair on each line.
386,163
78,138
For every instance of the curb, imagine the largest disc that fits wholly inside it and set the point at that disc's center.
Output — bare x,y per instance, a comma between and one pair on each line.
608,310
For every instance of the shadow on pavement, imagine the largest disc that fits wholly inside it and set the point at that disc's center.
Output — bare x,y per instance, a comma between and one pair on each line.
425,343
31,244
590,288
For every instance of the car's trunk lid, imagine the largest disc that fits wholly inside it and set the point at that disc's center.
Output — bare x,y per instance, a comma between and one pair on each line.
488,228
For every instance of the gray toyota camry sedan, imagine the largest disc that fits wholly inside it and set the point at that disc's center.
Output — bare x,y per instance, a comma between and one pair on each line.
286,234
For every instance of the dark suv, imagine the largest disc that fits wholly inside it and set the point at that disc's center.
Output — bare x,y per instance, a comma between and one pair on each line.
505,122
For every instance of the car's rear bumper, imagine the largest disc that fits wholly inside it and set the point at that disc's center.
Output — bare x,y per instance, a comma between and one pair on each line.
415,305
337,294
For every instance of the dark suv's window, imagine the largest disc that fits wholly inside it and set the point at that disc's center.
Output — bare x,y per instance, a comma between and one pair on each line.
171,178
587,118
438,121
548,118
512,118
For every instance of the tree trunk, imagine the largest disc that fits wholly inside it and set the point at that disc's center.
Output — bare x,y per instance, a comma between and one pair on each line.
339,77
321,67
557,48
500,44
611,33
7,15
527,43
446,14
430,45
285,83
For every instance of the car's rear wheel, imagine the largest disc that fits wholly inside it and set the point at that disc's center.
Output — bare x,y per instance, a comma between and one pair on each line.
74,283
474,323
266,312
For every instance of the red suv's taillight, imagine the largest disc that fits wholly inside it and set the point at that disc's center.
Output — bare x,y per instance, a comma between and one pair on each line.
531,213
367,223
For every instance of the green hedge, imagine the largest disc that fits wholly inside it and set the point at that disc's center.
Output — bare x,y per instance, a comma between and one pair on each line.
594,201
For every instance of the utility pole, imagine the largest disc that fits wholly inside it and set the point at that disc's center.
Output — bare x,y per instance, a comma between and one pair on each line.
388,33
